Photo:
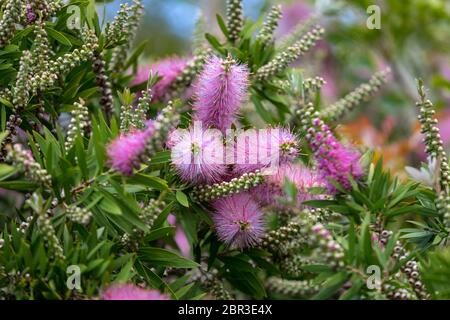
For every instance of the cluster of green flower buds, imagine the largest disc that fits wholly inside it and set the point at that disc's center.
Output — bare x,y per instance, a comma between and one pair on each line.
210,281
394,292
24,160
266,34
10,17
78,123
223,189
70,60
20,92
41,9
151,211
235,19
124,23
217,288
164,123
292,265
325,246
41,52
313,84
443,206
37,71
435,149
306,115
299,30
342,107
279,241
12,124
187,76
44,223
140,112
410,269
284,58
78,215
292,288
432,140
51,240
129,29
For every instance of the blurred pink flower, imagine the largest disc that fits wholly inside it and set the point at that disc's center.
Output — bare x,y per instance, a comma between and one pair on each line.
335,161
131,292
293,14
303,178
260,149
168,69
180,237
125,151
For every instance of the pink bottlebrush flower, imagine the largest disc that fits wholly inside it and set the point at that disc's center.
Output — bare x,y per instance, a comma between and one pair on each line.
180,237
198,155
131,292
222,87
292,15
126,150
334,160
238,220
303,178
263,149
168,69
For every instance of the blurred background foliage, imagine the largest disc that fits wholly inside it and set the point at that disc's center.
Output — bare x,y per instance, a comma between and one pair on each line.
412,42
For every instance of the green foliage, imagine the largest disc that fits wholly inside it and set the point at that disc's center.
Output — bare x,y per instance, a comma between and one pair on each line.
116,228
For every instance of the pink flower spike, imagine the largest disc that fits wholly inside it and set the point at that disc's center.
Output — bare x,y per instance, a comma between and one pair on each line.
222,88
131,292
238,220
168,69
125,151
335,161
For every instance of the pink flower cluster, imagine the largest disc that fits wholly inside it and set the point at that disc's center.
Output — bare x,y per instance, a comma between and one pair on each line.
335,161
304,179
256,150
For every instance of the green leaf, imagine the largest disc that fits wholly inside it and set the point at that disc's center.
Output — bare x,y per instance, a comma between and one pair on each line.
165,258
148,181
58,36
222,26
160,233
182,198
126,273
247,282
215,43
18,185
264,114
81,157
135,55
6,103
331,286
6,171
